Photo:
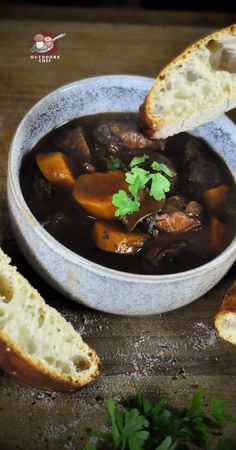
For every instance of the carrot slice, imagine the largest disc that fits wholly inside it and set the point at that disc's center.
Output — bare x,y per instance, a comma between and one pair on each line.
112,238
94,192
215,197
55,167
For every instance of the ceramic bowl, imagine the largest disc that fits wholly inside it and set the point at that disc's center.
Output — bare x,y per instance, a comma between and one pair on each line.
86,282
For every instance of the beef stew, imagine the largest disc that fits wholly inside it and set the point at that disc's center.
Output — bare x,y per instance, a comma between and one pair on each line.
80,182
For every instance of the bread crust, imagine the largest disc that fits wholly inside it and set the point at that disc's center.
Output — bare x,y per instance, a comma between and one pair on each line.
229,302
157,128
18,361
20,365
227,312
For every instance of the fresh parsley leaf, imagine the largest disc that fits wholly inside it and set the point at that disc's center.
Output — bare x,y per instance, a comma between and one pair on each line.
134,188
143,175
124,203
116,421
90,446
137,178
182,447
200,430
167,444
138,160
144,404
114,163
149,426
106,437
196,419
134,432
128,429
183,431
217,411
156,411
160,185
167,423
160,167
195,407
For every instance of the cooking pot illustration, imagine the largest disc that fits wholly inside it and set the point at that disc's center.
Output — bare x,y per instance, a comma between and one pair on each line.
43,44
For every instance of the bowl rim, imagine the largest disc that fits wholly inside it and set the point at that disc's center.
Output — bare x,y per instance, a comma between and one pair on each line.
68,254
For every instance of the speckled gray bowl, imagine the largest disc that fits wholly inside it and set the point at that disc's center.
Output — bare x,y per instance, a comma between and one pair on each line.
84,281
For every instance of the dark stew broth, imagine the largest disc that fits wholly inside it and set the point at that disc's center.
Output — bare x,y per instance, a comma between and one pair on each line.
195,222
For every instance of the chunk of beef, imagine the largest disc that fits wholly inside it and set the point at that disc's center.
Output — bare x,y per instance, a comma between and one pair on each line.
117,135
174,204
130,138
199,173
117,139
177,217
148,206
177,222
156,254
74,140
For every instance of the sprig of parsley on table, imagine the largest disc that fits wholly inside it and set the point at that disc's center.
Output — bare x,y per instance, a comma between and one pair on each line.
140,424
137,178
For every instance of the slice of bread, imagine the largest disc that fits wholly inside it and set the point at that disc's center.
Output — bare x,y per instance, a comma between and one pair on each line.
37,345
225,319
195,88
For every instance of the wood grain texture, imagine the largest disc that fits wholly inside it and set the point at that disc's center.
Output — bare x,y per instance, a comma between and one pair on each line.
121,15
170,354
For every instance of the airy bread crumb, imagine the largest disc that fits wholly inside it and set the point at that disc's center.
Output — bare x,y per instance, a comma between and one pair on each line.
37,344
195,88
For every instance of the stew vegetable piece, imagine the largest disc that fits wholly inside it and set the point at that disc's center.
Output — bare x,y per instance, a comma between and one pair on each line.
55,168
123,201
94,192
113,238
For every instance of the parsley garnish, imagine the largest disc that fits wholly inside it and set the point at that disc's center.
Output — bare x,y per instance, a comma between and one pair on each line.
140,424
137,178
160,167
114,163
124,203
138,160
160,185
142,174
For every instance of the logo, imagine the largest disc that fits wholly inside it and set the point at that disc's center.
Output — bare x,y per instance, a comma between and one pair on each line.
45,46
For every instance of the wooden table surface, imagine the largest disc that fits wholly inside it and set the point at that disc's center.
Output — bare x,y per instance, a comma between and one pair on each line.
169,354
